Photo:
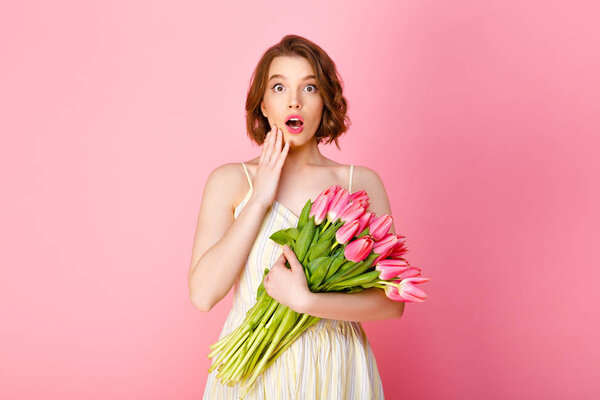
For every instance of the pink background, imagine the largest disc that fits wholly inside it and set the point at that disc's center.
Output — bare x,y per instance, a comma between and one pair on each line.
482,118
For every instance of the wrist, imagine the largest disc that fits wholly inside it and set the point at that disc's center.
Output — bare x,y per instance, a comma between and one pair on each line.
257,204
305,303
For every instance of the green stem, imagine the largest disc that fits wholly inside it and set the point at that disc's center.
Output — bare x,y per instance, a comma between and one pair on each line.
225,355
239,370
257,354
310,322
222,375
389,284
299,326
231,339
325,226
288,320
267,315
257,310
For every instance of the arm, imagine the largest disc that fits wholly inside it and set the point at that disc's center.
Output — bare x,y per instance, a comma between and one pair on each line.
221,243
369,305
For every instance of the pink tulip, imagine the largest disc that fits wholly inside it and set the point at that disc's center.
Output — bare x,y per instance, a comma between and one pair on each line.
357,196
391,268
339,201
386,244
384,247
331,189
364,221
400,248
380,226
346,232
351,212
410,273
359,249
319,208
364,203
406,290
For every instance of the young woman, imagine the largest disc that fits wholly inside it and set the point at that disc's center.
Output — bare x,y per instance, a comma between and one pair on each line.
294,103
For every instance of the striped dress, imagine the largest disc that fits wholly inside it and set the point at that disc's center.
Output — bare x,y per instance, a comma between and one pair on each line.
330,360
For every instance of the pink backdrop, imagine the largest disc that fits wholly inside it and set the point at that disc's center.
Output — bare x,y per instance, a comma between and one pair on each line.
481,117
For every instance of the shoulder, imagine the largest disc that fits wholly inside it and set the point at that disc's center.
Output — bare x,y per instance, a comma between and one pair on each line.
226,173
227,180
370,181
366,179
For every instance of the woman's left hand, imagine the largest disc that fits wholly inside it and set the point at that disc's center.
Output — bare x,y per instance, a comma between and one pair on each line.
287,286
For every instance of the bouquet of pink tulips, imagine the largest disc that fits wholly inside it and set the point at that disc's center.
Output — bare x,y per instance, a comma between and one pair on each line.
342,248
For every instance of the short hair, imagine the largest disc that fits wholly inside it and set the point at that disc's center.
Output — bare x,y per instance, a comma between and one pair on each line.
334,121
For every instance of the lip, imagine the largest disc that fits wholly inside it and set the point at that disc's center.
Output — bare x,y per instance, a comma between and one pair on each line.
294,116
294,130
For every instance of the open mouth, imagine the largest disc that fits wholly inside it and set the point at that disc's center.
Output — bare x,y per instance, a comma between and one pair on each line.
294,123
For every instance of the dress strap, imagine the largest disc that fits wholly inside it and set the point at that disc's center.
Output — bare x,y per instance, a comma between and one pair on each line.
350,184
247,175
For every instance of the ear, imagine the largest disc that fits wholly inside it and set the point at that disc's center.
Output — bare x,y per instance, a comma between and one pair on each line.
263,109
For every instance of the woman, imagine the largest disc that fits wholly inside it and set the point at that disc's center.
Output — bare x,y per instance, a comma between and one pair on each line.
294,103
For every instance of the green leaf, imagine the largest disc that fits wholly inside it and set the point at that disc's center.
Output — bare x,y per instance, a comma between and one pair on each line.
285,236
361,279
304,215
305,239
321,248
317,269
339,259
261,288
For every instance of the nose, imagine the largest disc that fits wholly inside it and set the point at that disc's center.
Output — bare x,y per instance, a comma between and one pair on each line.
294,101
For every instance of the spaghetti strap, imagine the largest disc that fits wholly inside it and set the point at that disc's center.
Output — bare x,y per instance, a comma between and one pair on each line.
350,184
247,175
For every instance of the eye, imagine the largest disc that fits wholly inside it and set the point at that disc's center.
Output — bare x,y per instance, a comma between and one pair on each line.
315,88
277,84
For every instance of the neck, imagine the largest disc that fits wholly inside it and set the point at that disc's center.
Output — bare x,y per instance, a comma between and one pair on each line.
305,155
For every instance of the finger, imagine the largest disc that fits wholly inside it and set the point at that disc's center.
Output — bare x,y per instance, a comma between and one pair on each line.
283,155
281,258
271,146
265,146
277,149
290,256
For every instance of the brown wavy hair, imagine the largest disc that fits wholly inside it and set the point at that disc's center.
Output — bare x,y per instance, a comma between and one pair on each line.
335,120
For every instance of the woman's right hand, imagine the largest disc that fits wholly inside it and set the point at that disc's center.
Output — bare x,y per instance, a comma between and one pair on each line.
266,178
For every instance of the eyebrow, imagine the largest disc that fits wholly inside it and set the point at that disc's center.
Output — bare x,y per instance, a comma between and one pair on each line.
283,77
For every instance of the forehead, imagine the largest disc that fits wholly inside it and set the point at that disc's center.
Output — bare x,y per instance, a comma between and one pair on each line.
290,67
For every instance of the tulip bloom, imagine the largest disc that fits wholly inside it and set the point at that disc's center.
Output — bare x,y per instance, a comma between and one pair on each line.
400,248
337,205
331,189
411,272
346,232
364,221
380,227
391,268
358,249
351,212
405,290
358,196
319,208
